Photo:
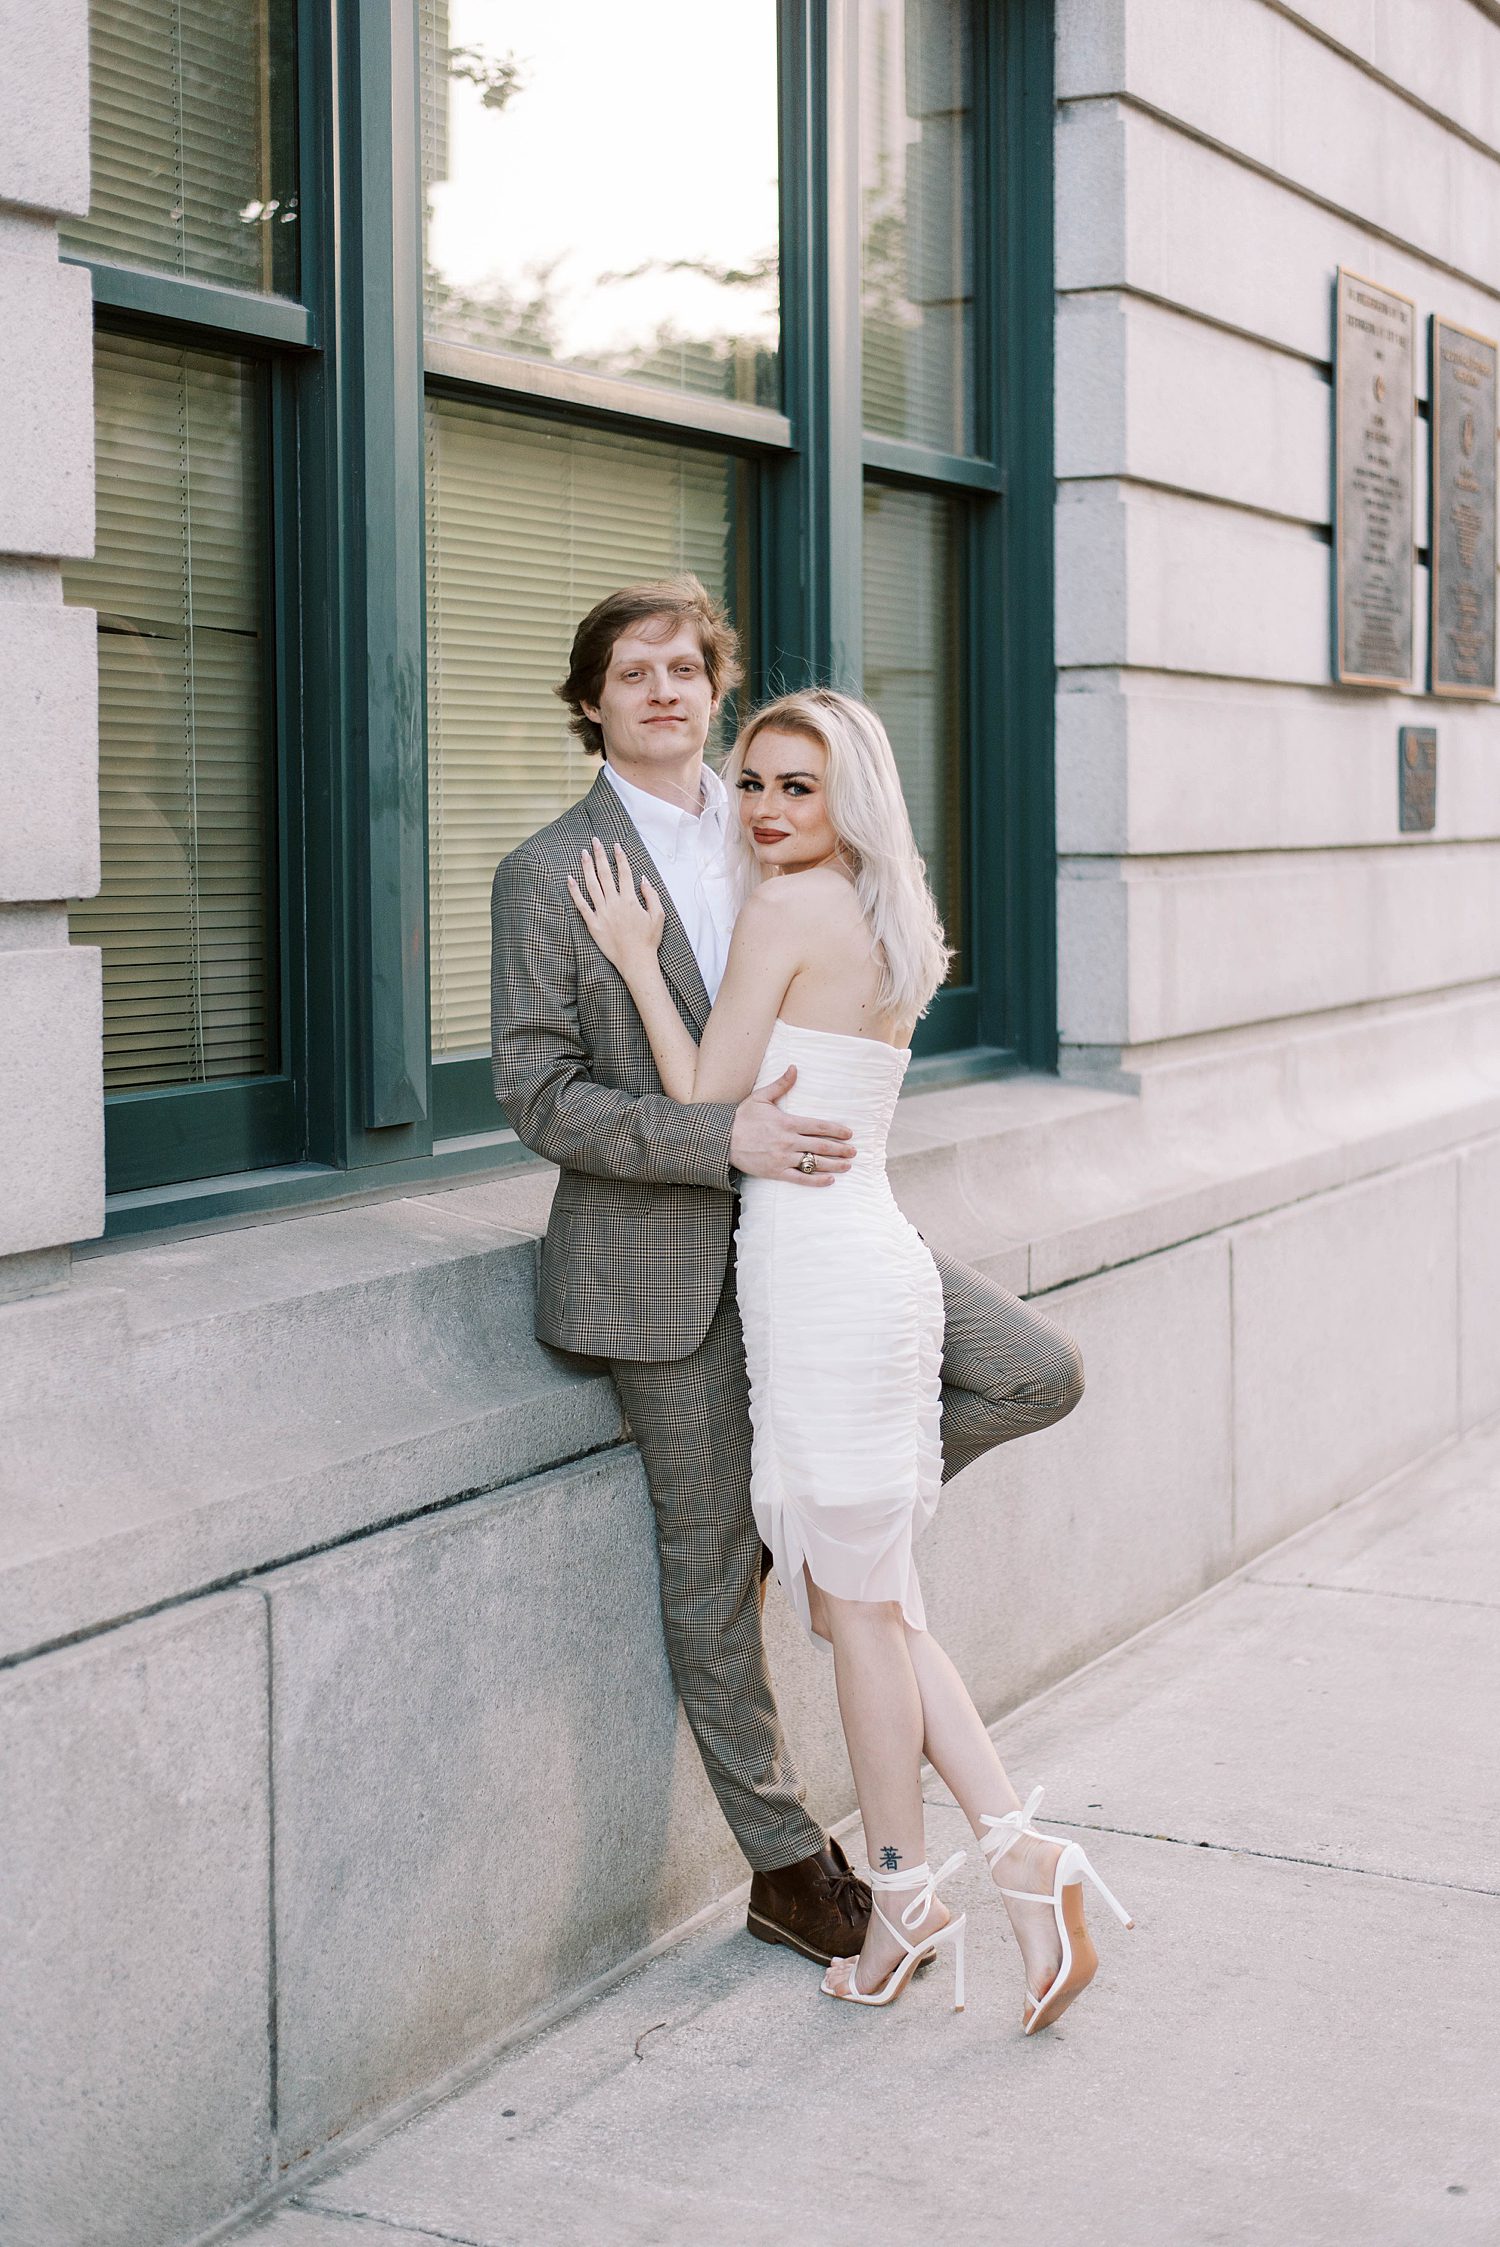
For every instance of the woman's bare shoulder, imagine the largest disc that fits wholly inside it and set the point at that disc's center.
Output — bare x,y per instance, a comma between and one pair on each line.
820,894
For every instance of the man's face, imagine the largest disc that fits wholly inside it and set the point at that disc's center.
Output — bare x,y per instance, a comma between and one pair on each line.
656,704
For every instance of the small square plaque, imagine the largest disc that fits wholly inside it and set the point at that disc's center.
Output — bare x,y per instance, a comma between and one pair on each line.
1418,779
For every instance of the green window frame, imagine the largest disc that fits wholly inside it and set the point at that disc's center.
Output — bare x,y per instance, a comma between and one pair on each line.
365,1107
342,378
165,1136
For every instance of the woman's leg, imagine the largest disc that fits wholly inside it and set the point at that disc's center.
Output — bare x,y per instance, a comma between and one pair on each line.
962,1753
881,1708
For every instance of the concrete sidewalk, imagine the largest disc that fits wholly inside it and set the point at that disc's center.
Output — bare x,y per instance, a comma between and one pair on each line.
1295,1785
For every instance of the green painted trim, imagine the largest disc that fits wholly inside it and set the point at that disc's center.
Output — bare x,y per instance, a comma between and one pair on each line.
952,1021
214,1204
791,542
335,1130
201,305
386,707
463,1097
284,681
976,1064
185,1132
514,379
897,461
979,1013
167,1134
1024,966
843,366
463,1092
362,651
988,738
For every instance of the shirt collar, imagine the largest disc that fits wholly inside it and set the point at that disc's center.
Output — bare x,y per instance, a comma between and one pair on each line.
668,827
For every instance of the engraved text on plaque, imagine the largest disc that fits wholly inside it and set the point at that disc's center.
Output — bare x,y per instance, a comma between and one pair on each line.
1374,372
1463,511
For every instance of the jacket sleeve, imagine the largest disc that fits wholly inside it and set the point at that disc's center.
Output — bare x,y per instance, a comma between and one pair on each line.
542,1066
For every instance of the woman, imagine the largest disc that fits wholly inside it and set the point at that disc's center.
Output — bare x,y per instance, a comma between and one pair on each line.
837,951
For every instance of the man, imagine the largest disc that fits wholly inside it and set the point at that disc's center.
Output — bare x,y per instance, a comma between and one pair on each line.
638,1262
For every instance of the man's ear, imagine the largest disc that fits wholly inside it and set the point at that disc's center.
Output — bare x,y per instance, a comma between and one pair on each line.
591,712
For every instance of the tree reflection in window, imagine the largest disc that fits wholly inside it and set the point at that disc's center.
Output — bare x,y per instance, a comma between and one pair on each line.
619,219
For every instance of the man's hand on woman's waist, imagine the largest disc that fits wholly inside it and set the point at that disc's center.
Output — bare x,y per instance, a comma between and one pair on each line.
765,1143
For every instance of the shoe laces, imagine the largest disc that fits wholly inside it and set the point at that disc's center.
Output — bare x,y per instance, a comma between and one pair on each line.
849,1894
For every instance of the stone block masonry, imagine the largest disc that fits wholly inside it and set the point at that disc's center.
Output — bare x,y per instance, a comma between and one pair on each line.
1293,1786
51,1092
135,2068
46,396
51,1106
473,1724
1202,212
394,1797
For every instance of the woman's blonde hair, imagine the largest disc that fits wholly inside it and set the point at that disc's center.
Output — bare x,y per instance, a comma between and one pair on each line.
869,813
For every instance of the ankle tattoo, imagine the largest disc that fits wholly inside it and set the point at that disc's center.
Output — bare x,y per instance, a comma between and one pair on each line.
889,1859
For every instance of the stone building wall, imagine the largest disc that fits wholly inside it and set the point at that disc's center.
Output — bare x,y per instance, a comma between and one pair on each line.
1230,865
51,1117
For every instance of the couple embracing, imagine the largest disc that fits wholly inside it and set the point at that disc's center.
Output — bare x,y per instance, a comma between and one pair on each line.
704,992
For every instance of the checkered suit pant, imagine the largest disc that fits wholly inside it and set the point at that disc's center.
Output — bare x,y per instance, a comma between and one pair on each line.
1007,1369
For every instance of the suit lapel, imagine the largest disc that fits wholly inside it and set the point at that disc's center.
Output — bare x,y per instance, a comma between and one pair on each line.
613,823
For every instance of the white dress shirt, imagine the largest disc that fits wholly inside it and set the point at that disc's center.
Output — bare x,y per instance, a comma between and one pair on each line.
690,851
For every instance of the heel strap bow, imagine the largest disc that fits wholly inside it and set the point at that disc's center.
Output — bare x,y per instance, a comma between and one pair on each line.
1006,1832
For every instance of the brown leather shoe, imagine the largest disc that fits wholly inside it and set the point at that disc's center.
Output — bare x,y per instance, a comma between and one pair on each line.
817,1906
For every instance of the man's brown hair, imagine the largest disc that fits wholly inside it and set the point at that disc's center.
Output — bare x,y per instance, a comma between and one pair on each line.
682,599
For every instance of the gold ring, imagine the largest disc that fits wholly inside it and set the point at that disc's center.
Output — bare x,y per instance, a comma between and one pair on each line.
808,1164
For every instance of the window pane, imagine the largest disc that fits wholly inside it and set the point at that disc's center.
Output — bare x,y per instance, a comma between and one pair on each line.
601,187
916,201
193,137
184,914
528,524
913,652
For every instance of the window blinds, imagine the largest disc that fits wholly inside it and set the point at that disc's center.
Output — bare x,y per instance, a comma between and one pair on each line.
183,115
528,524
183,914
912,654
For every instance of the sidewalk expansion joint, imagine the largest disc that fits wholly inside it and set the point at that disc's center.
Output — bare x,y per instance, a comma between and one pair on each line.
382,2223
1278,1857
1372,1591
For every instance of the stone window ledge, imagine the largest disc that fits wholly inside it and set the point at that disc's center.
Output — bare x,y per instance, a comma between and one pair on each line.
188,1412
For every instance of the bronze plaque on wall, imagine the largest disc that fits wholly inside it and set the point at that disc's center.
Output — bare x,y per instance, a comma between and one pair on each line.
1418,770
1463,510
1374,449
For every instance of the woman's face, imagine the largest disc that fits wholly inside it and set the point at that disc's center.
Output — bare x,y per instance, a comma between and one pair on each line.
783,810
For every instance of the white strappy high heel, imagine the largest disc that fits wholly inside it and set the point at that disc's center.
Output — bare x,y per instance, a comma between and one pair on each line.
1080,1960
925,1881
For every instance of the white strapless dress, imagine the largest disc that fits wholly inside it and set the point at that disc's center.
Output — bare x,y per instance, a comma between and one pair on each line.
843,1315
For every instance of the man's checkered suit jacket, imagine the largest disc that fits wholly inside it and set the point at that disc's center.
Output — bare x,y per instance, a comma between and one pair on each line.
638,1241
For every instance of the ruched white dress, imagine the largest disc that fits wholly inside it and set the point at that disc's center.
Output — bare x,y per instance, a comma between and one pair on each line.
842,1309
